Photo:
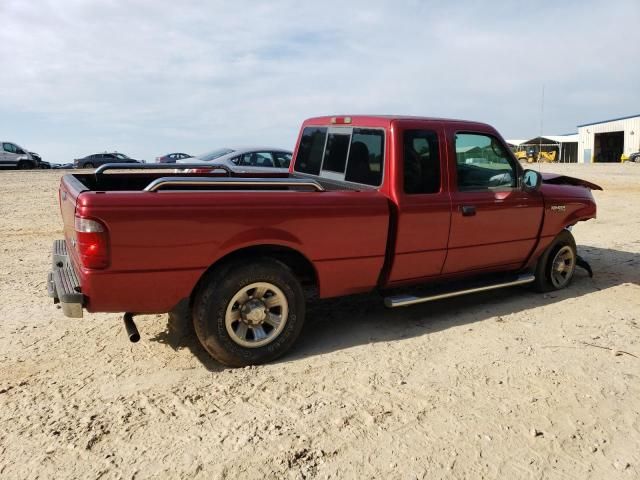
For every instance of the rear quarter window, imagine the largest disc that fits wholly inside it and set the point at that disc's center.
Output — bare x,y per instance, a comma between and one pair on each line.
350,154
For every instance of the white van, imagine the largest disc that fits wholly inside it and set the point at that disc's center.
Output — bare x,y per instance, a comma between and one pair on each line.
13,155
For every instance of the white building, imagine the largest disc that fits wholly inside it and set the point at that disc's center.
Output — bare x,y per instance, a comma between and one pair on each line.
607,140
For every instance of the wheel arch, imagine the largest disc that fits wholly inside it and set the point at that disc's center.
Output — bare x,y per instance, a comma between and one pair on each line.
299,264
25,161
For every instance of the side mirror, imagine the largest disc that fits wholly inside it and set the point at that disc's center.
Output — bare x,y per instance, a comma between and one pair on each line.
531,181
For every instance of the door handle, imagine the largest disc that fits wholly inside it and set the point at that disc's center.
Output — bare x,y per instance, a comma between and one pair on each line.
468,210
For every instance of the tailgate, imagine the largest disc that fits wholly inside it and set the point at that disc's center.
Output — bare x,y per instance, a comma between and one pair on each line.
70,190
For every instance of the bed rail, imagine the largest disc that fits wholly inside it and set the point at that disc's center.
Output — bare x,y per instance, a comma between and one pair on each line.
159,183
160,166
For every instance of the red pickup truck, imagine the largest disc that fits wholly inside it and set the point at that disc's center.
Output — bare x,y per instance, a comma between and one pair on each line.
370,202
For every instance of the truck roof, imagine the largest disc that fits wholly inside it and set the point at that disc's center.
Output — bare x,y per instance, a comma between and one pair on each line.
384,120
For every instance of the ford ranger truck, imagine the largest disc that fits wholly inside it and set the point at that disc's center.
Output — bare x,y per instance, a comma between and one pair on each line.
384,203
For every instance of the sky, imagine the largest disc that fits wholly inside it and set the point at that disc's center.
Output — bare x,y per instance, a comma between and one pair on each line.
152,77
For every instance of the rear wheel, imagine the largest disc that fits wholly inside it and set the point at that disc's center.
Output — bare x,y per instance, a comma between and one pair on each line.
557,264
88,165
249,313
24,165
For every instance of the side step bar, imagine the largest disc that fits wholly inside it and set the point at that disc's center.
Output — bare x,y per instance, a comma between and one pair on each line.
406,300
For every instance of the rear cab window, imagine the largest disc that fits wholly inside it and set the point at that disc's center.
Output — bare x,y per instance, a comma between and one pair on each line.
350,154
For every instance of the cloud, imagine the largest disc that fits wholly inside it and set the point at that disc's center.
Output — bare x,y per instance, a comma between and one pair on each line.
149,77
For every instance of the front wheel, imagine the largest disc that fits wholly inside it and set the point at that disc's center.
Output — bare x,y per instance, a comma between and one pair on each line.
557,264
249,313
24,165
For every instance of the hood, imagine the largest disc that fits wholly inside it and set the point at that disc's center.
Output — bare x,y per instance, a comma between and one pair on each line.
557,179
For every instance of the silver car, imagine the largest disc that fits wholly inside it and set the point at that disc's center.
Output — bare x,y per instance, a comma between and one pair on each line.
246,159
13,155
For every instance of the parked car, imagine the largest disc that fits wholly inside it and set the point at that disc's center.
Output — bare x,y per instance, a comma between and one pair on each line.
39,163
97,159
635,157
62,165
172,157
371,203
13,155
246,159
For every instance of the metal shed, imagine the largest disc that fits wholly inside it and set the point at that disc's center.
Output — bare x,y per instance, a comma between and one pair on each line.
607,140
565,146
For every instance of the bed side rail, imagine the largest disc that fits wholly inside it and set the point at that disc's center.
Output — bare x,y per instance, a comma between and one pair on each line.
159,183
160,166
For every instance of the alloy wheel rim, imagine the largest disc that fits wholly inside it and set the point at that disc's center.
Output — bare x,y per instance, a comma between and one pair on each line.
256,314
563,266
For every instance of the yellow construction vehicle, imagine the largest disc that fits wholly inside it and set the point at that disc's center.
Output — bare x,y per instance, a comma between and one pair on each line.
521,155
530,156
547,157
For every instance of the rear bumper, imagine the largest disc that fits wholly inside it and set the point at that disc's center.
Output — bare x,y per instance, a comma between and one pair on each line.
62,282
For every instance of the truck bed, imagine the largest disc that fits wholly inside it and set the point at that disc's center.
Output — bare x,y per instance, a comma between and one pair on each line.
139,181
162,242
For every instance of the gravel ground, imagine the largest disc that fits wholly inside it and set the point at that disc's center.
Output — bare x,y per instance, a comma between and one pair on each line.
507,384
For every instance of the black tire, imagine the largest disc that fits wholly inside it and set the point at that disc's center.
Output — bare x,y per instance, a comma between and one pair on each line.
87,165
25,165
544,268
216,294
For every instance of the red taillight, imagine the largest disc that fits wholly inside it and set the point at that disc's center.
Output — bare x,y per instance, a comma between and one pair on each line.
92,243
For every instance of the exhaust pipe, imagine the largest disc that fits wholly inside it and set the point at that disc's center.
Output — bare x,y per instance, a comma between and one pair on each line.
130,327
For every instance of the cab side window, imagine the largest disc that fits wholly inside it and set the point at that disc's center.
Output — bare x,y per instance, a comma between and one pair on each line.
421,159
256,159
482,163
9,147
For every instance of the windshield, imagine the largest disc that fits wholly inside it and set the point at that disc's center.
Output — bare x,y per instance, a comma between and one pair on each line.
121,155
207,157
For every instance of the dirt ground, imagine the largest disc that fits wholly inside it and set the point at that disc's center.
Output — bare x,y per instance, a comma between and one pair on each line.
508,384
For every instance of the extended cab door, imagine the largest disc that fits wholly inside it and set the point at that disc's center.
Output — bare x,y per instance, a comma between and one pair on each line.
494,223
423,202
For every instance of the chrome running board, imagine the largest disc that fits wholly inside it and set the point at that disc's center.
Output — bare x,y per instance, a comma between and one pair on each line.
406,300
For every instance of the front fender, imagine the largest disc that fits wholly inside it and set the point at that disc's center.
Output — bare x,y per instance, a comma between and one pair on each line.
557,179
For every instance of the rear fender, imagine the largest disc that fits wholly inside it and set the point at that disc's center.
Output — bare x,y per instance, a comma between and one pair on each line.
287,253
256,237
